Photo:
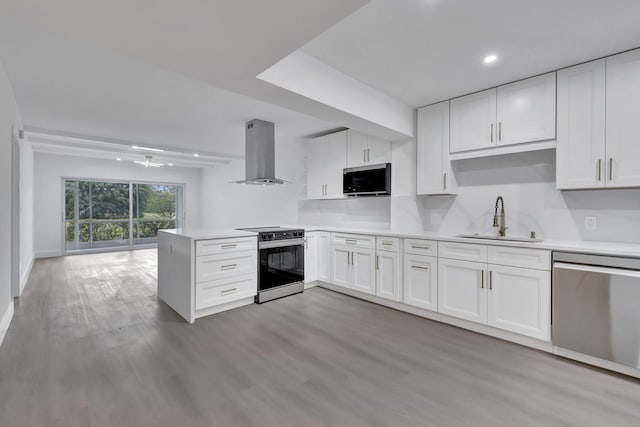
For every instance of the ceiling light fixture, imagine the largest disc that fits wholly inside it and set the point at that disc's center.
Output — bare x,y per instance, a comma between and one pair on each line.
148,162
490,58
157,150
118,159
196,155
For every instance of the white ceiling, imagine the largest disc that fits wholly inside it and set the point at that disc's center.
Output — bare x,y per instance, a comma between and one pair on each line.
157,72
424,51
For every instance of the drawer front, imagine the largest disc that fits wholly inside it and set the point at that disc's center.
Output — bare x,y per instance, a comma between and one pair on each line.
539,259
463,251
220,246
391,244
421,247
356,240
216,292
212,267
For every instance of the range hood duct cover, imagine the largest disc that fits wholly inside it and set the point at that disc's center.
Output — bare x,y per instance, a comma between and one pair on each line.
260,159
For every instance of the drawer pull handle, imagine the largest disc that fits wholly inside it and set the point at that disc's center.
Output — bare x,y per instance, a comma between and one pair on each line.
229,246
228,291
387,243
420,247
228,267
351,242
419,267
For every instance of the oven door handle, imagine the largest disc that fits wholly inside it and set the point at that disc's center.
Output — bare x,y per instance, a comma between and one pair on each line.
281,243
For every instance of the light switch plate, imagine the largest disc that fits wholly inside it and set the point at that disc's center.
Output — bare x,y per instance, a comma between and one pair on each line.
591,223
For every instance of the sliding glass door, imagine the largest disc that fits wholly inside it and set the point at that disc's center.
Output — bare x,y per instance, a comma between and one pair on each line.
102,214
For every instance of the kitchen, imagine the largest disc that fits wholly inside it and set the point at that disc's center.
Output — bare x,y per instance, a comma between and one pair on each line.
505,183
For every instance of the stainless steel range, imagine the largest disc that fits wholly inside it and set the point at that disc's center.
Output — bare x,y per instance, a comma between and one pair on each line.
280,262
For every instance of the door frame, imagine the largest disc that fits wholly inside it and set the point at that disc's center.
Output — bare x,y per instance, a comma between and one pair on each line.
15,216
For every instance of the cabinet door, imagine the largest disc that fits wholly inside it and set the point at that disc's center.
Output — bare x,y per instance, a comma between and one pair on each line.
623,111
311,257
324,256
335,164
363,277
357,145
462,289
434,167
379,151
527,110
580,153
316,159
473,120
388,275
520,300
341,266
421,281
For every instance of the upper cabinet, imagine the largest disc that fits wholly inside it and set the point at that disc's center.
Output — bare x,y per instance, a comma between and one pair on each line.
434,174
364,149
517,113
598,150
326,159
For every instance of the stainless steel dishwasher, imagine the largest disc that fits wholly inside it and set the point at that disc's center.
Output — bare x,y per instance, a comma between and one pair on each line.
596,310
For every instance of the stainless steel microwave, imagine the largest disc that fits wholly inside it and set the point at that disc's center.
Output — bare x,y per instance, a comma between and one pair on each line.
370,180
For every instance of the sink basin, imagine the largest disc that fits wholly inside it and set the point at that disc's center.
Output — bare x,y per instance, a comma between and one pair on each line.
505,238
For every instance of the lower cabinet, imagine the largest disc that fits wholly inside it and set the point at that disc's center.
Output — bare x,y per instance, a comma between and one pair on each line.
353,268
461,289
324,256
388,275
421,281
311,257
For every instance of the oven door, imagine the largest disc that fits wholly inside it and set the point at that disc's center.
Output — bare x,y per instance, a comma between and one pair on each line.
281,263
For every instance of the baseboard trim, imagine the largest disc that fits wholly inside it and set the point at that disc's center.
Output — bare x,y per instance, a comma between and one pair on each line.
443,318
25,276
6,321
47,254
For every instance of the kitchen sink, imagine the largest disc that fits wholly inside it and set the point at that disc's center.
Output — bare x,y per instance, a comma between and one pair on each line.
505,238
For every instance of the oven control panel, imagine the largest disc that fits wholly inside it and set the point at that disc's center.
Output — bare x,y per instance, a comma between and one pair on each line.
281,235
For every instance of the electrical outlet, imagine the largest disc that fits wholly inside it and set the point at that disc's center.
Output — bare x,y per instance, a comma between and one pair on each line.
591,223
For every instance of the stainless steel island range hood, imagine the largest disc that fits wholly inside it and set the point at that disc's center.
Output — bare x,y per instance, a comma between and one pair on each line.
260,154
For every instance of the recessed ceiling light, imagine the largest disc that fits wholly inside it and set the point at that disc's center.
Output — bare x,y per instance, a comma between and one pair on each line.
490,58
157,150
170,164
118,159
196,155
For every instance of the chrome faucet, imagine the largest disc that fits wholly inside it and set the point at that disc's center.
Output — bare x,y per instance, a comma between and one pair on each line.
499,220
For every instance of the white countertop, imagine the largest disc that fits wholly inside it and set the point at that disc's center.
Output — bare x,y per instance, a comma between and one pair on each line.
580,246
208,233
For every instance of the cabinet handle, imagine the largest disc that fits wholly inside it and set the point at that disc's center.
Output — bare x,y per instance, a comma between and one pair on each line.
482,281
306,243
387,243
350,242
599,170
352,258
419,267
377,262
229,246
490,280
364,156
492,132
444,186
420,247
228,267
499,131
228,291
610,168
368,154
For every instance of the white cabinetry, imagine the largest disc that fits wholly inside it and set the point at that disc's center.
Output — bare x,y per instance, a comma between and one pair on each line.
326,159
520,112
580,153
353,262
434,173
503,287
311,257
388,268
365,149
324,256
623,111
421,281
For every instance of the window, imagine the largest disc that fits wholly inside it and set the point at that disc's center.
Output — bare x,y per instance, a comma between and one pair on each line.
101,214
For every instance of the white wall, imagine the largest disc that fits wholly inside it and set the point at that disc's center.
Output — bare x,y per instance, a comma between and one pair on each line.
26,210
10,123
526,181
232,205
49,169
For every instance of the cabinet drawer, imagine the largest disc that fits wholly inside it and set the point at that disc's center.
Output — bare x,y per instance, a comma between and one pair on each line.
211,267
391,244
219,246
420,247
357,240
216,292
463,251
520,257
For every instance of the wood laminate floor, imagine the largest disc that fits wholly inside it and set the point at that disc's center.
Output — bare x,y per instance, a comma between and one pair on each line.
90,345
